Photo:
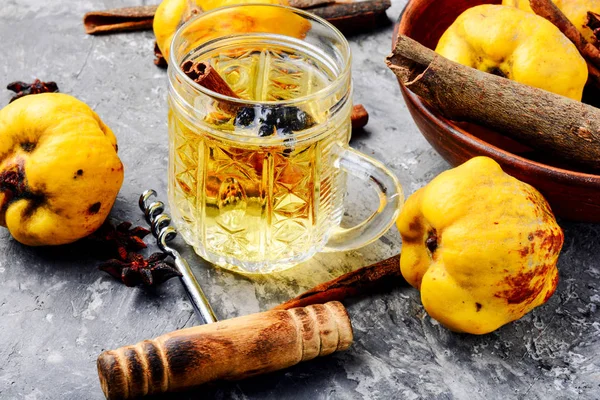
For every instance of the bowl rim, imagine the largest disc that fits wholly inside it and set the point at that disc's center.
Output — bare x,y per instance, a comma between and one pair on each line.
482,146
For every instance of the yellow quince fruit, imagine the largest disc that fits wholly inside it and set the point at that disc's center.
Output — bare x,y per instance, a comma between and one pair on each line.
518,45
59,169
575,10
172,13
480,245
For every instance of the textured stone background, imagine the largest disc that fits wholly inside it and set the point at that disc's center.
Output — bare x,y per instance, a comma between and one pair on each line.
57,312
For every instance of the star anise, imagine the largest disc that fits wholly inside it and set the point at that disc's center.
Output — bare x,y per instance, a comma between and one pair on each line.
136,270
23,89
118,241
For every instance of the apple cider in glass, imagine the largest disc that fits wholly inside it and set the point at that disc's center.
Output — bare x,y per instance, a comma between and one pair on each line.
256,184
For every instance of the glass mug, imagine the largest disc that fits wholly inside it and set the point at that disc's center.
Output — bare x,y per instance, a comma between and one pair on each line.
257,183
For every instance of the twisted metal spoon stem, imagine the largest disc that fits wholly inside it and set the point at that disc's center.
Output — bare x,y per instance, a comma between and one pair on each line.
161,229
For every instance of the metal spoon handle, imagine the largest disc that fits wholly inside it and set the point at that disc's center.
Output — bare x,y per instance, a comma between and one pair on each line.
202,307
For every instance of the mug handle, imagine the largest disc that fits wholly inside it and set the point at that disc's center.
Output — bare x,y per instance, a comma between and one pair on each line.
391,199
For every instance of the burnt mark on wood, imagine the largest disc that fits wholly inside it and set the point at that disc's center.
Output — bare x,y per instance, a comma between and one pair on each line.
185,352
109,370
155,366
136,371
94,208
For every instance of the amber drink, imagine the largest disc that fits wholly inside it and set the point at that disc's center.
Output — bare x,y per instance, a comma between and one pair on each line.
256,184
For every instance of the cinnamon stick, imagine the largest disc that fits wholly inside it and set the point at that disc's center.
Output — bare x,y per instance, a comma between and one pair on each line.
119,20
385,273
205,75
548,10
564,128
347,16
353,15
306,4
359,117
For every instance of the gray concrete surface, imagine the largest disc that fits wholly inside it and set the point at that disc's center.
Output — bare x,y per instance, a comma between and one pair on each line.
58,312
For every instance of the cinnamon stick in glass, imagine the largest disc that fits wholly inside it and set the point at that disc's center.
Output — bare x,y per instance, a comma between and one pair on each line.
205,75
562,127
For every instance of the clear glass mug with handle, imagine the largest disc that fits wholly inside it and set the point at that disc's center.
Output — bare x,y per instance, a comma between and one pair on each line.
257,183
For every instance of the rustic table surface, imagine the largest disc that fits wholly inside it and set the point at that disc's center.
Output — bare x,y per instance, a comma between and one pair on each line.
58,312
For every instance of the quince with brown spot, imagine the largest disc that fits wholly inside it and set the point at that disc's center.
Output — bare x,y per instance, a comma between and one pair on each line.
480,245
59,169
517,45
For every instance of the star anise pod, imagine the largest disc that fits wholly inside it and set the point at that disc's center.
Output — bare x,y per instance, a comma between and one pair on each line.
136,270
120,240
23,89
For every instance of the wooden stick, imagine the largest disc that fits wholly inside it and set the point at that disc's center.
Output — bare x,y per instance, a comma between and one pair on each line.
548,10
226,350
354,15
562,127
385,273
347,16
306,4
119,20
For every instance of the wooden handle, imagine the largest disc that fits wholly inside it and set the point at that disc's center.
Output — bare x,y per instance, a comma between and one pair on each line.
226,350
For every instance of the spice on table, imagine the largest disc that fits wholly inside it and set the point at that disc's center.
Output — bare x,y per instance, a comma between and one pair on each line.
381,275
120,240
359,117
159,59
119,20
136,269
23,89
571,128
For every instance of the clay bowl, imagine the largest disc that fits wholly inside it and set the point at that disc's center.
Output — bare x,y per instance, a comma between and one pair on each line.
573,195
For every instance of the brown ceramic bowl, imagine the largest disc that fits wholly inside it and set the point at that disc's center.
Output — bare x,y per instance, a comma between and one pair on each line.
573,195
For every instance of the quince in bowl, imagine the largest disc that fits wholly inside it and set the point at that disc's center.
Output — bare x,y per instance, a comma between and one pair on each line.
572,194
